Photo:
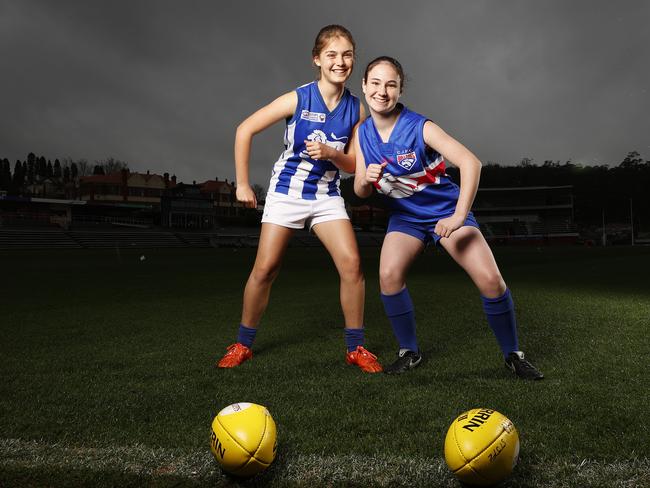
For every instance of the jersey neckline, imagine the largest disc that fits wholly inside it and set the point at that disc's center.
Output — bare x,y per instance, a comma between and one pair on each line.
321,100
390,137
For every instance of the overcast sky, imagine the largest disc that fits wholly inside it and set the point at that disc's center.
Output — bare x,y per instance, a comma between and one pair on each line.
163,85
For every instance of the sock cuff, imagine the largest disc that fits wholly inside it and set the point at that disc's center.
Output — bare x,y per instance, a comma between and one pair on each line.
397,304
246,335
498,305
350,331
354,338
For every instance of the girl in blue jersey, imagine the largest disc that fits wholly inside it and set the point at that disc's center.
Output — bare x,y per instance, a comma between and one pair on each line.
304,190
402,154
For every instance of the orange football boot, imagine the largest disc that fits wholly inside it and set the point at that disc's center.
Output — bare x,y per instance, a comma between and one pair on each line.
237,354
363,358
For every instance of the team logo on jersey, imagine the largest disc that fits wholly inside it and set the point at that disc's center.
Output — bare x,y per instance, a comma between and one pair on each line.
317,136
313,116
337,143
407,160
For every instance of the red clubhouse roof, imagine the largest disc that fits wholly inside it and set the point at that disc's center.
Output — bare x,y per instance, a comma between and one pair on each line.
214,185
117,178
111,178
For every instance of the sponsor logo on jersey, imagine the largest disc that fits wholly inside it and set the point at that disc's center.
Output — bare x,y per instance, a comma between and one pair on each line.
407,160
313,116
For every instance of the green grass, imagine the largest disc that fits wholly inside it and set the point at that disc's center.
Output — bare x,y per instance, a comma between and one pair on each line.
106,375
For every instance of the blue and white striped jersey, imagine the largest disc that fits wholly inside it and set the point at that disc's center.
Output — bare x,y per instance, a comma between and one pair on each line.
297,175
414,180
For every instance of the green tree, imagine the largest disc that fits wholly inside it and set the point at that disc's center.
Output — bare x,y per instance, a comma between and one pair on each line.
19,177
41,168
31,171
57,169
84,167
5,174
112,165
633,160
526,162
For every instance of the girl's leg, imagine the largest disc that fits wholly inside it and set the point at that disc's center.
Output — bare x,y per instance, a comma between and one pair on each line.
398,252
338,238
470,250
273,243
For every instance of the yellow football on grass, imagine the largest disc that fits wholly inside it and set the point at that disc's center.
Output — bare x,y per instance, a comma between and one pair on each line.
481,447
243,439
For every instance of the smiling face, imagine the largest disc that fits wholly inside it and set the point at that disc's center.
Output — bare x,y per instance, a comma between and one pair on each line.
382,87
336,60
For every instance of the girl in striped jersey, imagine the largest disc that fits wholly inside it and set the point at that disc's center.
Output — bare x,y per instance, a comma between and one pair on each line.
304,190
402,154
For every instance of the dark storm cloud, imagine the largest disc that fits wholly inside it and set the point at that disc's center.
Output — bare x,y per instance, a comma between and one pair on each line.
163,85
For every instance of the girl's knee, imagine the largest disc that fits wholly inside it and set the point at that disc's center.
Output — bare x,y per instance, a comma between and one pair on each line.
265,272
491,285
391,280
350,267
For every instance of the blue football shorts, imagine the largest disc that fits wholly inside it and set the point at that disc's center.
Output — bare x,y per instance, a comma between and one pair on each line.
422,230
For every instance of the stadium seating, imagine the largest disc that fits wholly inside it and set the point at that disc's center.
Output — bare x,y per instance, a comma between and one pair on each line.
36,239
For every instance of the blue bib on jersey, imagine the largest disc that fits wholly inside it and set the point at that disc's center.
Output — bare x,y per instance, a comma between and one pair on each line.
297,175
414,179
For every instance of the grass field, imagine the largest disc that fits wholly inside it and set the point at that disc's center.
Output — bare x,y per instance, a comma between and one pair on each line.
106,374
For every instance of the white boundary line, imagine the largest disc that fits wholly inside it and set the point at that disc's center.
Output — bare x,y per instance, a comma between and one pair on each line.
307,470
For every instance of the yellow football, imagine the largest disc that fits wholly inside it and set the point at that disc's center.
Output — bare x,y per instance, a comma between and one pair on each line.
243,439
481,447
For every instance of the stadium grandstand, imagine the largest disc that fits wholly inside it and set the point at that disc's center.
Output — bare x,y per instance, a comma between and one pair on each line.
127,213
531,214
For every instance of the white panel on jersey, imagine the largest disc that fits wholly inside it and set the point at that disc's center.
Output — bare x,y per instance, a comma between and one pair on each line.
282,160
296,184
324,184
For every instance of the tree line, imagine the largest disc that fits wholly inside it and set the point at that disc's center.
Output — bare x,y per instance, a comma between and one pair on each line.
616,193
38,169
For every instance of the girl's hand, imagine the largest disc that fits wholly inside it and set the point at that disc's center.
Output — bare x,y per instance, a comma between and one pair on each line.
246,195
318,150
445,227
374,172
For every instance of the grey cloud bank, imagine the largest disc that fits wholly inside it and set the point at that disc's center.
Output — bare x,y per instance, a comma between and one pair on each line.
163,85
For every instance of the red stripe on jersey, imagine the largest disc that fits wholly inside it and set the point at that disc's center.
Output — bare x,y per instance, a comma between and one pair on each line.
430,174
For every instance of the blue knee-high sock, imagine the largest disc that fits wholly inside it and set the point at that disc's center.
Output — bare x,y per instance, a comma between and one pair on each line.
399,309
500,313
354,338
246,335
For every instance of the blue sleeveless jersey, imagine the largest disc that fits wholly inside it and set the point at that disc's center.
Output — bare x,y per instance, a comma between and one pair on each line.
414,180
297,175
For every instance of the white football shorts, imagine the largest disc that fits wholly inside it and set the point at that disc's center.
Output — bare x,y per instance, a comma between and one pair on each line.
294,213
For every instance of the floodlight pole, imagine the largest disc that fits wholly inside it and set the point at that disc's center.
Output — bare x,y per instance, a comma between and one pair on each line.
604,238
632,220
